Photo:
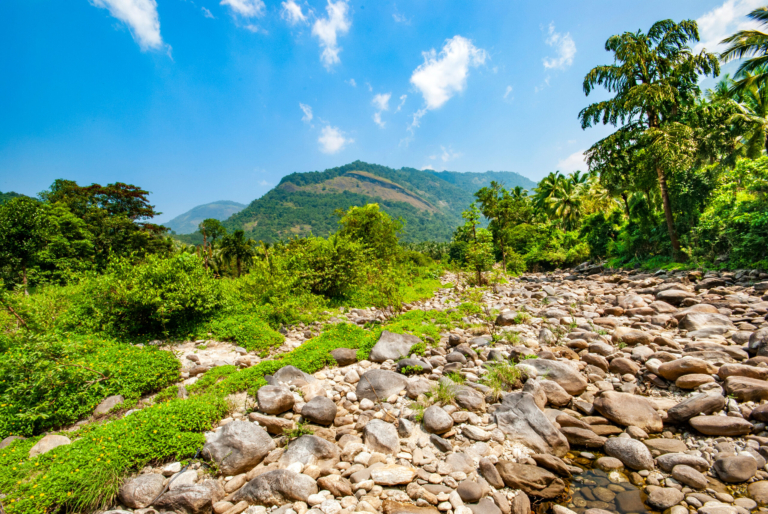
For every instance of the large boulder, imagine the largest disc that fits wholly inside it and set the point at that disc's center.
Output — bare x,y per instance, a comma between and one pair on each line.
662,498
468,398
344,356
631,336
277,487
713,323
746,389
673,296
721,425
191,499
629,410
687,365
140,491
566,375
290,375
47,444
381,436
436,420
742,370
696,404
668,461
378,385
736,468
107,404
633,453
521,420
758,341
532,480
391,346
320,410
556,395
274,399
310,450
238,447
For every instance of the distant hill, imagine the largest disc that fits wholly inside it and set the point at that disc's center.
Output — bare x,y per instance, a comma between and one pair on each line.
187,223
430,202
4,197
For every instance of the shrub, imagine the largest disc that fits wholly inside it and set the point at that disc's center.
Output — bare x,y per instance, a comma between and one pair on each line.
246,330
515,263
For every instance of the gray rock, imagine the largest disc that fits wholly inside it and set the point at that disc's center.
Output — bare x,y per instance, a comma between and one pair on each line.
721,425
662,498
9,440
344,356
521,420
417,386
469,399
758,341
192,499
107,404
274,399
532,480
470,491
238,447
696,404
490,473
436,420
320,410
689,476
379,384
633,453
556,395
485,506
674,296
738,468
310,450
290,375
506,318
277,487
47,444
381,436
695,321
391,346
568,377
413,366
668,462
140,491
405,427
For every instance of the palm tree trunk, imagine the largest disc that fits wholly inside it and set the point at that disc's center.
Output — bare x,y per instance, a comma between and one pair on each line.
668,213
626,203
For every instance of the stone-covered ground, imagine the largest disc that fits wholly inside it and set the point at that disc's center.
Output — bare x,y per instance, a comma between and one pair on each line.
626,392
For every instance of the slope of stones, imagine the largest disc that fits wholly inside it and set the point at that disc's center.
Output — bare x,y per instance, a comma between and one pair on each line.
655,381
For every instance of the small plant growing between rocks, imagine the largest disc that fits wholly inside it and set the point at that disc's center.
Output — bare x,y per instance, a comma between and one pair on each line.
456,377
502,377
300,430
411,370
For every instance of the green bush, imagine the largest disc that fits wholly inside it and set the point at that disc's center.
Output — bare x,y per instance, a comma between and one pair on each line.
246,330
48,381
515,263
157,297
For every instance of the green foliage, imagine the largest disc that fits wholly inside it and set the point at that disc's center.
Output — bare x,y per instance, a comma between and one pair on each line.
411,370
515,263
443,393
501,377
456,377
373,229
245,330
300,430
155,297
49,381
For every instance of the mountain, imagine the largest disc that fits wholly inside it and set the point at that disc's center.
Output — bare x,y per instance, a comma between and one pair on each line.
187,223
430,202
4,197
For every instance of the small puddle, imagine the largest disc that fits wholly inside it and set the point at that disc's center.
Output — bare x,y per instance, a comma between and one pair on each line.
597,489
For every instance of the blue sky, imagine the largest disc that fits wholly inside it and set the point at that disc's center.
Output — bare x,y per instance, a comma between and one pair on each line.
203,100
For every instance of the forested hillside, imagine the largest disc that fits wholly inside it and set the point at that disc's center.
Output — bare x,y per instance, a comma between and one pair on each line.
429,202
188,222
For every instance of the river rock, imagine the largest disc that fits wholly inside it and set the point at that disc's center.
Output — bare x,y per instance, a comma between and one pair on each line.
277,487
746,389
310,450
661,498
392,474
237,447
631,336
140,491
714,323
737,468
628,410
700,403
689,476
633,453
721,425
344,356
381,436
391,346
668,461
521,420
532,480
564,374
378,385
107,404
47,444
685,366
320,410
191,499
436,420
274,399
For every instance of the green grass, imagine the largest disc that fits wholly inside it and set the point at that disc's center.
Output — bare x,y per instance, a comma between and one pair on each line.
456,377
246,330
501,377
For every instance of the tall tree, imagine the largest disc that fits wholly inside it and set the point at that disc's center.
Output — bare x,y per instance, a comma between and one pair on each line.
653,77
752,44
210,228
236,247
24,232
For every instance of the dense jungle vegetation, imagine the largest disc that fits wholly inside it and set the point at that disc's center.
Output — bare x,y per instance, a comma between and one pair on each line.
86,276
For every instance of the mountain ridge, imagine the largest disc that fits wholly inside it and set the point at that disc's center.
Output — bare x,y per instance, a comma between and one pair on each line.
187,222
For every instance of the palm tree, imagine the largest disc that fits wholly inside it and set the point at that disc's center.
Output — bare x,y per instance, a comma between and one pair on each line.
544,191
235,246
746,43
566,202
752,102
653,76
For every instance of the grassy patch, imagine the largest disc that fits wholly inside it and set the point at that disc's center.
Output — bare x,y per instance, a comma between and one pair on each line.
502,377
246,330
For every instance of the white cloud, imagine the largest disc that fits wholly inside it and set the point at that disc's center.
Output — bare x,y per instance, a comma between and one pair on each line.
428,167
332,140
381,101
292,13
352,82
508,92
264,183
140,16
563,45
328,29
402,102
207,13
722,21
441,76
307,113
449,154
246,8
574,162
399,18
